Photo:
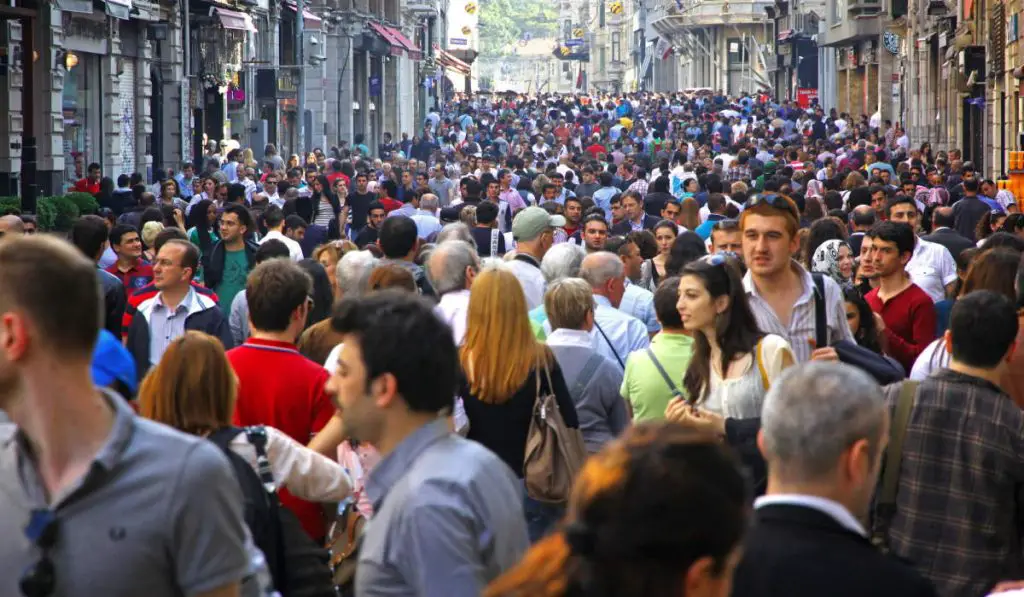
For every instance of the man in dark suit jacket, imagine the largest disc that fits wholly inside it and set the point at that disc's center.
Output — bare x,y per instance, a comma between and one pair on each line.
824,428
633,204
944,234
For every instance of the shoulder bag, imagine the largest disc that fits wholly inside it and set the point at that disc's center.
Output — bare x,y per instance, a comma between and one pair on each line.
554,452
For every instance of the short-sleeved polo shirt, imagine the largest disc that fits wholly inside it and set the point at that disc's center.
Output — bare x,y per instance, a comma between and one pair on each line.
644,386
158,514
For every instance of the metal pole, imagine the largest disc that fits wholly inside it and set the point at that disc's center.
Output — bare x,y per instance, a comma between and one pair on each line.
1002,133
29,189
300,59
188,149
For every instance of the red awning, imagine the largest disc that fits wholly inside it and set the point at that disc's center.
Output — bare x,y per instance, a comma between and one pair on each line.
310,20
447,60
408,44
232,19
397,47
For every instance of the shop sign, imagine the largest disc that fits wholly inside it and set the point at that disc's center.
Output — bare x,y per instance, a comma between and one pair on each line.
458,41
804,96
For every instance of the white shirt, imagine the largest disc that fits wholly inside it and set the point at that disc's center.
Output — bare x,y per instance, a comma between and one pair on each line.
932,267
453,309
294,249
531,279
837,511
932,358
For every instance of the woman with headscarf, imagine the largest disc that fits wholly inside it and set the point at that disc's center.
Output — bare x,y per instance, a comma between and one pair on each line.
834,258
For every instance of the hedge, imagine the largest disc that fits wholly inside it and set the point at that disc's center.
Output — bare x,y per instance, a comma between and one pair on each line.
55,214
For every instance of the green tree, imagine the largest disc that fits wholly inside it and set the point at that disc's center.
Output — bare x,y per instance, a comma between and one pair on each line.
504,22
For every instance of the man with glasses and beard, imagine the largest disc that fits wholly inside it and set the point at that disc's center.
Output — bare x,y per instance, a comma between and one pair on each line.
81,476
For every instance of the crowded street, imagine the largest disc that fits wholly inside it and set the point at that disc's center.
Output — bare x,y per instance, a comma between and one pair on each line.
660,344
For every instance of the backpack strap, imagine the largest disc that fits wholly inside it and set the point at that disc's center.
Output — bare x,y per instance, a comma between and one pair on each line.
257,436
820,317
889,485
759,357
494,241
222,437
668,380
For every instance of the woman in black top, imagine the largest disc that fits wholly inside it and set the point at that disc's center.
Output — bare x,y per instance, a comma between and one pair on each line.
502,362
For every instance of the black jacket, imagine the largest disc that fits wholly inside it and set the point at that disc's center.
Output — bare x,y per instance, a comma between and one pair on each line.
954,242
741,435
214,271
113,301
798,551
623,228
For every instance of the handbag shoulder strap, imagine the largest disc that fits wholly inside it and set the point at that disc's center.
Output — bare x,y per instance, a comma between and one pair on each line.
889,485
664,374
585,375
820,316
610,345
759,357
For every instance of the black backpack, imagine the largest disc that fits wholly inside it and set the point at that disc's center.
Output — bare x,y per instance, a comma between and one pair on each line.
299,567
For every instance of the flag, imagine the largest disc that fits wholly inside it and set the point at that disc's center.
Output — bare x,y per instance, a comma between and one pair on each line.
579,79
663,49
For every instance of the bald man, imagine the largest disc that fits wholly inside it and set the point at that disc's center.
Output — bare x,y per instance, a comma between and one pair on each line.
11,224
944,234
862,218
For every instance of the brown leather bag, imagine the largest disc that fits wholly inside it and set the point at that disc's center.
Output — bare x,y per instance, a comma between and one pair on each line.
554,452
343,540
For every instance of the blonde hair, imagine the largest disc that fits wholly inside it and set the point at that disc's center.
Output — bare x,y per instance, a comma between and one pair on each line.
247,158
500,349
567,303
149,232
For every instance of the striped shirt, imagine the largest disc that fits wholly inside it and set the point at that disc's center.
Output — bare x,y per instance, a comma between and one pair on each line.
800,330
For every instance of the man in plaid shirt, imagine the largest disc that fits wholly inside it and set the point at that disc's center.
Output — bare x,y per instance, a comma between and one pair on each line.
958,507
740,169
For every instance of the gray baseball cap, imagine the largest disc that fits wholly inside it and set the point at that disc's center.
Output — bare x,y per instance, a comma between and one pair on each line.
532,222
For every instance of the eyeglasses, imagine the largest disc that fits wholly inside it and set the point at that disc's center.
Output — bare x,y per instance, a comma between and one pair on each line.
40,579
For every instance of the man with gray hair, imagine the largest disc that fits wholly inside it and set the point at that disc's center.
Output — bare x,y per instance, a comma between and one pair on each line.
616,334
428,226
560,262
452,267
824,428
352,273
456,231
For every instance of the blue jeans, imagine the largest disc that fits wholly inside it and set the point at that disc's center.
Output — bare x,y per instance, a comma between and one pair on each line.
541,517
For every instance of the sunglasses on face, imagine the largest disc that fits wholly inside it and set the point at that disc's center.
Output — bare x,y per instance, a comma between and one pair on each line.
40,579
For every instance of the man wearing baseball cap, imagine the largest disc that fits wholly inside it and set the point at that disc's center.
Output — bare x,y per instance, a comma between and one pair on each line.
533,230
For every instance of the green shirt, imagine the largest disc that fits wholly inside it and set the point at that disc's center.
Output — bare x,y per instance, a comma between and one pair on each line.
236,270
644,387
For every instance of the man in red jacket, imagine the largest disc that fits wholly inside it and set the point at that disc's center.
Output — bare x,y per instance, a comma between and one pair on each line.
91,183
277,386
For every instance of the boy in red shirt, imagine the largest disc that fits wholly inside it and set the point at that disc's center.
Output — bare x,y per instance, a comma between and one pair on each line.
904,313
277,386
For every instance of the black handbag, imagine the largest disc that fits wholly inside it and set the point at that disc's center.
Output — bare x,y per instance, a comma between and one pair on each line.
884,369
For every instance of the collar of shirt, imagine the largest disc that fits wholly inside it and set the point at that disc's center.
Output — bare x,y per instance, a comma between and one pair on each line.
837,511
567,337
454,300
188,303
108,456
805,280
264,344
392,467
602,301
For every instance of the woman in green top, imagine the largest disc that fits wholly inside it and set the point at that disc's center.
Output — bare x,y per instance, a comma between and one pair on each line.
202,231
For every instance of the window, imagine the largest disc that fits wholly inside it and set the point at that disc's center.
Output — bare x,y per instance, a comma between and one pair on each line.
838,11
602,58
600,14
567,29
737,51
616,46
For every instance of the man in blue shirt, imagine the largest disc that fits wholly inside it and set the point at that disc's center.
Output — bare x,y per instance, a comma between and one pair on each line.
448,513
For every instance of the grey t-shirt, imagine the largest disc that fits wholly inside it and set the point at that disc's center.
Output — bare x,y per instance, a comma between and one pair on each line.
158,514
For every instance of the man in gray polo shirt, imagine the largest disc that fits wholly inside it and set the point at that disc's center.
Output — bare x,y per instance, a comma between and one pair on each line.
94,500
448,513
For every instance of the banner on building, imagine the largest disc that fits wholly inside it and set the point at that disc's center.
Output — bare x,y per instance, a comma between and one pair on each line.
804,96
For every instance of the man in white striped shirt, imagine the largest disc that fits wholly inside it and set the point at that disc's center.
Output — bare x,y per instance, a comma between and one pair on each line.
780,290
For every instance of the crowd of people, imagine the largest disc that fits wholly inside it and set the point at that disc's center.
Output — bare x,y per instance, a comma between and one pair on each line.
659,344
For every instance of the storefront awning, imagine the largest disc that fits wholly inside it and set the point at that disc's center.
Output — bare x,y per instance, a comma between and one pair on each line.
397,47
450,62
310,20
234,20
408,44
79,6
120,9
